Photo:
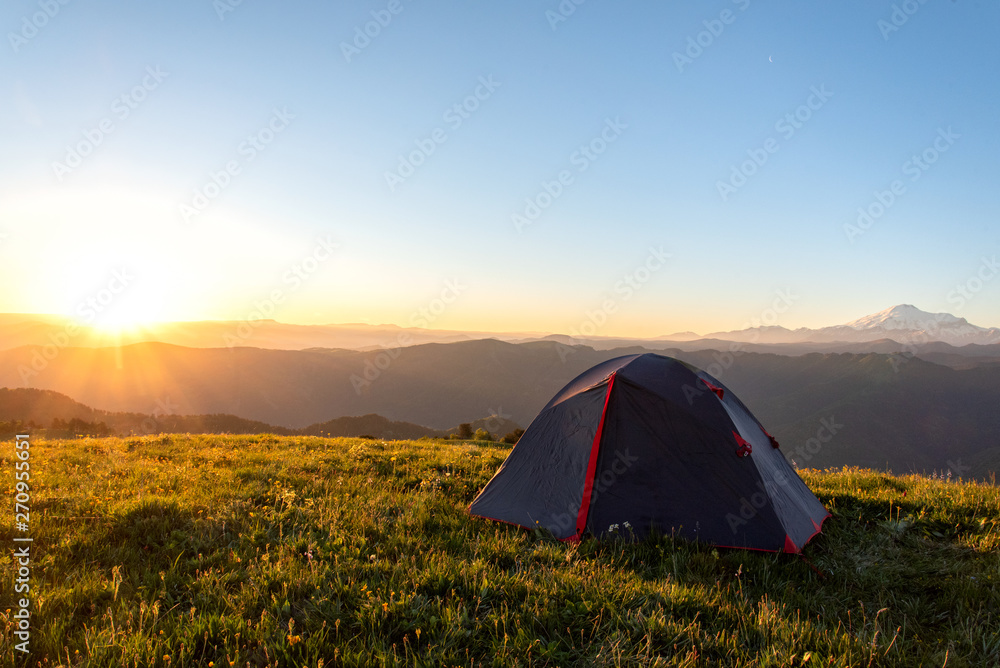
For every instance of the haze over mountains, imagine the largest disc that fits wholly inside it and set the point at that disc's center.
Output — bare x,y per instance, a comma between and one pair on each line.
899,328
884,410
27,409
903,323
39,330
909,406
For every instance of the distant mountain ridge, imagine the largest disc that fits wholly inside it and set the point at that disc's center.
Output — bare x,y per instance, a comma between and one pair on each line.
45,409
18,330
892,410
904,324
907,316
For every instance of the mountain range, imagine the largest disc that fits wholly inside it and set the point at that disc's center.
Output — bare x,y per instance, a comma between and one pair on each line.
903,323
904,328
892,402
894,411
29,409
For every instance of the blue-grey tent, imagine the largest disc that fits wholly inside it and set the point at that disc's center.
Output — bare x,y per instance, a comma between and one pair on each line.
646,442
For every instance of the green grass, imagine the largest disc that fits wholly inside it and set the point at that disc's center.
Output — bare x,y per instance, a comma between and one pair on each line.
300,551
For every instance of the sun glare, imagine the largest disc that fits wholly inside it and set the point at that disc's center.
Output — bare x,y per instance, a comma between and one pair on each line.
120,328
118,260
124,324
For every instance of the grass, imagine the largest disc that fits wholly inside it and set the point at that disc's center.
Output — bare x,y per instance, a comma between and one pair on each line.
300,551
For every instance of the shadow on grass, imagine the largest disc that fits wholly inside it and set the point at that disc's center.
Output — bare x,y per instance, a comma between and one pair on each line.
149,536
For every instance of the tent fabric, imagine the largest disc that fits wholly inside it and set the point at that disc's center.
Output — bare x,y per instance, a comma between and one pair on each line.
646,443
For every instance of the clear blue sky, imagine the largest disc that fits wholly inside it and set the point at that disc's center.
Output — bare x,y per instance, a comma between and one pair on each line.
677,129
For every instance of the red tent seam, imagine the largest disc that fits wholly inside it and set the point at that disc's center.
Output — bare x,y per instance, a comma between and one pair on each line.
717,390
588,485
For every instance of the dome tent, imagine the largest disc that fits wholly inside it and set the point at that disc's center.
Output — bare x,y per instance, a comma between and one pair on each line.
646,442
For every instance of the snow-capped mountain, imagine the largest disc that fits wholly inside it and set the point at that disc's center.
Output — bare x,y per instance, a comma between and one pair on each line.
903,323
906,316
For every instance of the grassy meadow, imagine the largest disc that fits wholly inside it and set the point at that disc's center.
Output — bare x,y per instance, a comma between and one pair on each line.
217,551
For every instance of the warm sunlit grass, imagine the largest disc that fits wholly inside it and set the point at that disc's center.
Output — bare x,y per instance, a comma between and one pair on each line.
292,551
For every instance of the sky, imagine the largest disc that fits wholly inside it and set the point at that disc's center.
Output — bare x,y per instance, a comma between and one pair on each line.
618,169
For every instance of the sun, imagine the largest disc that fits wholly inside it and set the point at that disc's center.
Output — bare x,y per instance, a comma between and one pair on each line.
115,259
124,324
121,327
